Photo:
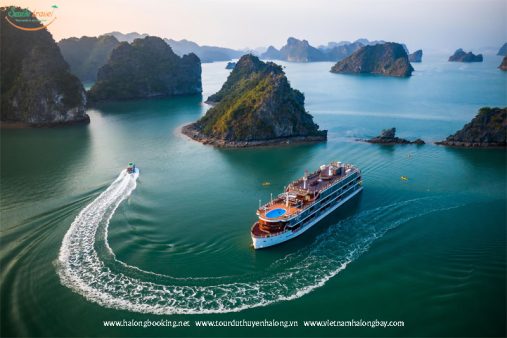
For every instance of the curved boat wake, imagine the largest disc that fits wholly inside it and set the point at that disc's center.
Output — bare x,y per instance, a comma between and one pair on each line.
102,279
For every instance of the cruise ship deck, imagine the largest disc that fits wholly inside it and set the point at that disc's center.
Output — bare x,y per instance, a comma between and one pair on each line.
303,192
304,202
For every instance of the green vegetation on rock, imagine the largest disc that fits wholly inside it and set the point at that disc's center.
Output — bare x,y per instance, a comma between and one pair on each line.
146,68
37,86
256,103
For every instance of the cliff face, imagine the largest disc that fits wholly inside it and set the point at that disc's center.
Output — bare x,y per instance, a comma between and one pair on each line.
86,55
37,86
461,56
503,50
416,56
256,105
146,68
487,129
389,59
503,65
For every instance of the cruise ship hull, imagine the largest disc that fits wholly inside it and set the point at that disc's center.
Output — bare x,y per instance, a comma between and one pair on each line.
264,242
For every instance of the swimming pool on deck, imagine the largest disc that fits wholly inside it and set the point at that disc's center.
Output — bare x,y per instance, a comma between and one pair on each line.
275,213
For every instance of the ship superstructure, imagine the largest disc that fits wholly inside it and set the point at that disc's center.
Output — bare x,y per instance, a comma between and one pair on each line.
304,202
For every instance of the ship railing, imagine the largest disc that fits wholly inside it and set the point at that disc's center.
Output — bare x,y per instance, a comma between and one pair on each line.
287,229
281,197
271,235
347,166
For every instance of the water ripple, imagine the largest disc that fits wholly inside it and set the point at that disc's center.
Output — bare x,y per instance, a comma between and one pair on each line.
87,265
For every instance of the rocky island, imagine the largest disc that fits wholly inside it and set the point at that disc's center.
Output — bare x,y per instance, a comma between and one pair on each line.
301,51
255,106
416,56
503,50
388,59
37,87
487,129
295,51
86,55
461,56
503,65
336,51
146,68
388,137
271,54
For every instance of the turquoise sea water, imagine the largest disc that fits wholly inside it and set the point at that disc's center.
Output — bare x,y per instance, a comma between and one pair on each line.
429,251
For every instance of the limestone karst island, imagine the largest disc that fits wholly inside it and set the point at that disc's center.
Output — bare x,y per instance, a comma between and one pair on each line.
255,106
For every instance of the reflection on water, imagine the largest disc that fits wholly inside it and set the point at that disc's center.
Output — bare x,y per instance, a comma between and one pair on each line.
41,163
150,107
273,163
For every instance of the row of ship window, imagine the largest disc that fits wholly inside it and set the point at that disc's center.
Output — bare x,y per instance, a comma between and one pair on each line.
313,207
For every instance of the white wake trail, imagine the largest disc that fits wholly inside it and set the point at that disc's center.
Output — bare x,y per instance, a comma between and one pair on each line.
128,288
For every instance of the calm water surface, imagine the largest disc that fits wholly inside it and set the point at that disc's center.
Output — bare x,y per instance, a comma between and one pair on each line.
429,251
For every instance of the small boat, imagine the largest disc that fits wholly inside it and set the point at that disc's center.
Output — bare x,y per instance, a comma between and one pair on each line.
132,169
404,178
265,184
